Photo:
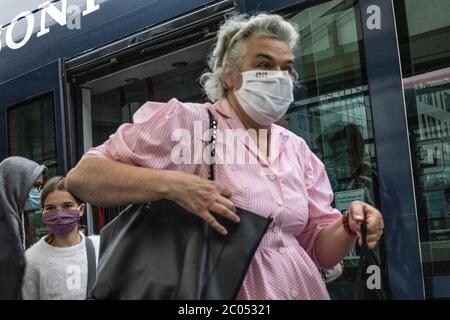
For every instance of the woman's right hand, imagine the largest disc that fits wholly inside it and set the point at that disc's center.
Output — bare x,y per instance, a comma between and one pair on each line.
201,197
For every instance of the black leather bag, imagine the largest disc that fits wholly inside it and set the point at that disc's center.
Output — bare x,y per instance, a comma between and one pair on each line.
161,251
367,287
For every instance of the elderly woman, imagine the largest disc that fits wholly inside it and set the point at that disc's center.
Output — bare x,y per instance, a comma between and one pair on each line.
251,87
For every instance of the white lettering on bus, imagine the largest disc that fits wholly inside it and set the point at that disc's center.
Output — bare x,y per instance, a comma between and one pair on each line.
47,9
55,13
28,15
90,7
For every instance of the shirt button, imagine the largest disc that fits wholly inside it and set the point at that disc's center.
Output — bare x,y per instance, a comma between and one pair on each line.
272,177
276,229
280,202
294,294
282,250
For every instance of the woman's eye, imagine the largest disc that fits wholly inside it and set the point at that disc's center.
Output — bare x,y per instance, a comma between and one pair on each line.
288,68
264,65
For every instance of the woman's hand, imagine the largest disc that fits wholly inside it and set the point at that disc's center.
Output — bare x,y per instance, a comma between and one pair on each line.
201,197
361,211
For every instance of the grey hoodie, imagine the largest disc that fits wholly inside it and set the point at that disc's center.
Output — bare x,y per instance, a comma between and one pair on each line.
17,177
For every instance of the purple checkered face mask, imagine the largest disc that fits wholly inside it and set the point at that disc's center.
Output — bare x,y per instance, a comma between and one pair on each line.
61,221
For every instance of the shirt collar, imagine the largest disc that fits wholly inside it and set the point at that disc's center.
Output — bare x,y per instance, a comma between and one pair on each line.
223,107
279,135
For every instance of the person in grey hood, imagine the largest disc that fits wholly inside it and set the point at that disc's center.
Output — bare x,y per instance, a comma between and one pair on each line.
20,180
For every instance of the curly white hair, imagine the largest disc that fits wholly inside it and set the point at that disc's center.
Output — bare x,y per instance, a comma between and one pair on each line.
231,41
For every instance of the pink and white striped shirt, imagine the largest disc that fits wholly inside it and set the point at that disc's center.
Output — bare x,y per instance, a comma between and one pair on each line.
294,190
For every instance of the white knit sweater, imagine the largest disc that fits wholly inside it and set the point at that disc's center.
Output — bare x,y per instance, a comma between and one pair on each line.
53,273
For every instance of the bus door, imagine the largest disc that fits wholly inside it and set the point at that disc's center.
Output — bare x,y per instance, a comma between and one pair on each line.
32,121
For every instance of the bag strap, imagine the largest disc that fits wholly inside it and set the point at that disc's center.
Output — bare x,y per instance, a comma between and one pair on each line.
365,251
212,143
92,266
367,257
364,247
360,284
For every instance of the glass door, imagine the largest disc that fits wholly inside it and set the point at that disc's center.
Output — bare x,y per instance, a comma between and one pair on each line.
332,110
423,32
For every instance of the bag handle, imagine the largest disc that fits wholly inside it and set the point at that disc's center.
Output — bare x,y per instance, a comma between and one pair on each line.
367,257
364,247
92,267
212,143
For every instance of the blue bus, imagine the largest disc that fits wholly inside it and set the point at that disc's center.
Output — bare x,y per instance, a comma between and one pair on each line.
373,104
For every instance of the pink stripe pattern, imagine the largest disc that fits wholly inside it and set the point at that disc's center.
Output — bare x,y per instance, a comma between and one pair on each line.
292,188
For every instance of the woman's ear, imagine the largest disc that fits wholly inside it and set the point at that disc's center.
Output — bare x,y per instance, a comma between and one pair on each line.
231,78
227,80
82,207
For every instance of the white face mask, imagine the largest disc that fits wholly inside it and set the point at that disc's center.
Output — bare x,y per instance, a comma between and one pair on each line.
265,95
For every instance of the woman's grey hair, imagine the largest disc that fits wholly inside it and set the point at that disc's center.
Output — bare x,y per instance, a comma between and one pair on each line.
231,46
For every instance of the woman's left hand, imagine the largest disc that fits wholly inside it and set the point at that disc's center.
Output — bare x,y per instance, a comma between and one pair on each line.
360,211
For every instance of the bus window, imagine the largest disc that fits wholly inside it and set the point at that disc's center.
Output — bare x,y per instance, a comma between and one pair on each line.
31,134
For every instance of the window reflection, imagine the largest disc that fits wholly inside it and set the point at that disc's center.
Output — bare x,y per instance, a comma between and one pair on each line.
353,167
31,131
423,32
